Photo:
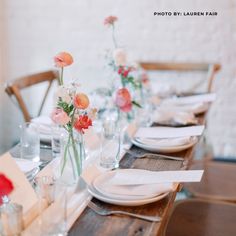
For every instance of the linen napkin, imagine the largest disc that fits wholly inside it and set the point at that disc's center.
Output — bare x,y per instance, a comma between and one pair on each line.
195,108
163,90
44,124
140,177
200,98
42,120
26,165
164,116
169,132
165,142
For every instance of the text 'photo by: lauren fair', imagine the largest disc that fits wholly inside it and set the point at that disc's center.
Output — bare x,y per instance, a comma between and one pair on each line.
185,13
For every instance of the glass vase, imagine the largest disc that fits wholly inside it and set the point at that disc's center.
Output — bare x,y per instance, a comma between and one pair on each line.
72,157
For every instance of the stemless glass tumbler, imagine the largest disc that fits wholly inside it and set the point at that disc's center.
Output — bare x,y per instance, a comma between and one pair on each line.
30,141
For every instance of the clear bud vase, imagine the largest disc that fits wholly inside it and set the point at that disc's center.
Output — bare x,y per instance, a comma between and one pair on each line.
72,157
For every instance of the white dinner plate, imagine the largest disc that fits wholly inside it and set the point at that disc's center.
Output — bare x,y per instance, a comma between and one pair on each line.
122,202
126,194
160,149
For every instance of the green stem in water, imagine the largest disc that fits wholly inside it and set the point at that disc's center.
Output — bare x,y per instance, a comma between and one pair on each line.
77,157
65,155
61,82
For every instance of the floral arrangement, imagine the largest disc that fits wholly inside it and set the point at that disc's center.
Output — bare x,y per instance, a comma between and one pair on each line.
119,64
72,112
6,186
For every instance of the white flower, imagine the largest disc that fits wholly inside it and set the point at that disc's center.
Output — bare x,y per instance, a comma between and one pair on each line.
120,57
63,93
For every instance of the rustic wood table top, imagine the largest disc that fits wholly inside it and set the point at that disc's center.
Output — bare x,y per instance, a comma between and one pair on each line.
91,224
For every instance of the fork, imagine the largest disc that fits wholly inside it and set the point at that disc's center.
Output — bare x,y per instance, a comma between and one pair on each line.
105,212
142,155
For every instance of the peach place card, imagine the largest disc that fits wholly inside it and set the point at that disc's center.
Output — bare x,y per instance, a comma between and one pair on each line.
23,192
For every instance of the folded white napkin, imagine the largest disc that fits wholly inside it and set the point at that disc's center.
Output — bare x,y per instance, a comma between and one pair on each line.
44,124
140,177
165,142
163,89
195,108
169,132
26,165
164,116
200,98
43,120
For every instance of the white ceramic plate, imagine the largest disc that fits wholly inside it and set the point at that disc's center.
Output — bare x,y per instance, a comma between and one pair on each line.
160,149
120,202
100,180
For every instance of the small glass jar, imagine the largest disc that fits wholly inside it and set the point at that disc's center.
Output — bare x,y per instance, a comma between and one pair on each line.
11,218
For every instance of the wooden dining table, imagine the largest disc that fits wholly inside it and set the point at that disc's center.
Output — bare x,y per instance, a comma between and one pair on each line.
90,223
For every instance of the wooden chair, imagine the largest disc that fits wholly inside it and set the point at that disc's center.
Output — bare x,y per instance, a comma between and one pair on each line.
202,218
217,182
210,69
13,89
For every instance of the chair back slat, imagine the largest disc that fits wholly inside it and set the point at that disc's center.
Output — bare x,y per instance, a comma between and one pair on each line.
210,69
14,89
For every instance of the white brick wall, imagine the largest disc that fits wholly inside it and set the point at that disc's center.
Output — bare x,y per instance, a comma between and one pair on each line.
37,30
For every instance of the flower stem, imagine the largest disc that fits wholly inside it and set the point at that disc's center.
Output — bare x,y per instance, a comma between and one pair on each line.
113,36
77,157
61,77
65,155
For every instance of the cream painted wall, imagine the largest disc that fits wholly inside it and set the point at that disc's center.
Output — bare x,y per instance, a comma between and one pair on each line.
37,30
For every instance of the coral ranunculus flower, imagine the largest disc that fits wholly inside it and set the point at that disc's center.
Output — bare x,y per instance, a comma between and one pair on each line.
82,122
60,117
110,20
81,101
63,59
6,186
123,99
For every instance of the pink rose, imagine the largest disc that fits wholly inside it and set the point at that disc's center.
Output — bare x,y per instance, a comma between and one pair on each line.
110,20
60,117
123,99
63,59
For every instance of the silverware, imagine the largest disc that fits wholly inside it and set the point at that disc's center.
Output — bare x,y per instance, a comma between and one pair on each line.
105,212
154,155
45,146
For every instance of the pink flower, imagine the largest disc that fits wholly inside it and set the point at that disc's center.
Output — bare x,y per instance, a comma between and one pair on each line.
110,20
60,117
82,122
123,99
81,101
63,59
120,57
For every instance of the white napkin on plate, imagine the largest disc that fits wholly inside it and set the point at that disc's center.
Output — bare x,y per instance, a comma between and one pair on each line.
165,142
26,165
168,132
164,116
200,98
44,124
129,177
195,108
